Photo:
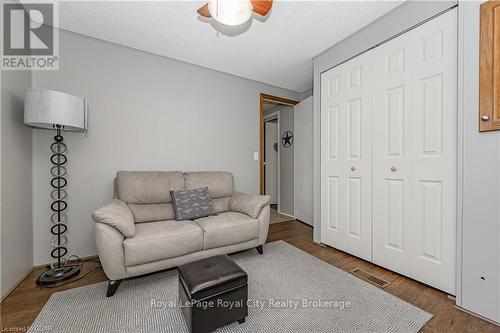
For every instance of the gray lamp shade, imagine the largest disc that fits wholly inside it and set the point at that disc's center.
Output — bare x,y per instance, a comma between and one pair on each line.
47,108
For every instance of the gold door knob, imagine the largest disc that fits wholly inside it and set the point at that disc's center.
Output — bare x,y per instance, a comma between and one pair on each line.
394,169
353,168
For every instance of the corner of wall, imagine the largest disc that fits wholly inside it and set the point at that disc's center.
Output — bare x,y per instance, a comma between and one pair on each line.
316,152
33,176
1,275
15,170
478,246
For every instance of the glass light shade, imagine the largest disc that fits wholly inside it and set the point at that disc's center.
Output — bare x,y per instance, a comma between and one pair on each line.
230,12
46,108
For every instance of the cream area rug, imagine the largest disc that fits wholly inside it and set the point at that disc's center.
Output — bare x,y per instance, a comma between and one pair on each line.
289,291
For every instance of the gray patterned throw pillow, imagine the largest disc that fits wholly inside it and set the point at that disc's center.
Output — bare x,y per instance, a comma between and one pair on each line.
192,204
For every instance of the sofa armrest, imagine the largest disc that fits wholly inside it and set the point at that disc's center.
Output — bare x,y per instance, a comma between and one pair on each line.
264,219
117,215
109,242
249,204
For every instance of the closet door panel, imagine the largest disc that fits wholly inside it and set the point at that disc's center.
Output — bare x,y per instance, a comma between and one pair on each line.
333,156
414,149
357,222
346,157
434,153
333,203
391,146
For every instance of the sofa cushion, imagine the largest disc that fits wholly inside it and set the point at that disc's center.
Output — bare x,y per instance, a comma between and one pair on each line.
152,212
155,241
227,228
148,187
221,205
220,183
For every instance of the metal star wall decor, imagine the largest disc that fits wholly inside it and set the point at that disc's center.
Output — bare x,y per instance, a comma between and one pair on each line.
287,139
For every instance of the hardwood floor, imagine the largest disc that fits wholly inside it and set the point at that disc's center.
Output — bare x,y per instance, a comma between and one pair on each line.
22,306
276,217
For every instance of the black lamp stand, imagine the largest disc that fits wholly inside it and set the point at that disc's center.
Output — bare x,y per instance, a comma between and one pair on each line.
59,270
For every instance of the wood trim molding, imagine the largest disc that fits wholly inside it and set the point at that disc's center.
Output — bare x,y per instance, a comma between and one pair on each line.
279,100
489,67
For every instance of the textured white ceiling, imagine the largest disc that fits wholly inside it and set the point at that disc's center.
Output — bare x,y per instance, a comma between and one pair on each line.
277,50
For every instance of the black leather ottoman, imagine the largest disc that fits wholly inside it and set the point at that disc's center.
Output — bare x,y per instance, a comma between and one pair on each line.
213,292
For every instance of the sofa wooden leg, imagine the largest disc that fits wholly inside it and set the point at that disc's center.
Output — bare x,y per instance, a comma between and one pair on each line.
260,249
241,321
112,286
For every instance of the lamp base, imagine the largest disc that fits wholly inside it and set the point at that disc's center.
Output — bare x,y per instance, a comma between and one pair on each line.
55,275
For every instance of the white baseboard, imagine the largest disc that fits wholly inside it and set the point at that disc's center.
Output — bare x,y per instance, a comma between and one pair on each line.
291,216
491,321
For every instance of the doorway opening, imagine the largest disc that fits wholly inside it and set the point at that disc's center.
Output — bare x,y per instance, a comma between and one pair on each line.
276,155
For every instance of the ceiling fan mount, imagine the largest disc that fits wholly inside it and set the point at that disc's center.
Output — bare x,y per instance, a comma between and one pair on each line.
234,12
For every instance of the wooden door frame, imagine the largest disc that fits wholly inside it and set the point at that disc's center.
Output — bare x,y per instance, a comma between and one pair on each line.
275,99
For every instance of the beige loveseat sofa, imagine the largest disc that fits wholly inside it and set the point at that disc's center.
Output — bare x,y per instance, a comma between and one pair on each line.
137,232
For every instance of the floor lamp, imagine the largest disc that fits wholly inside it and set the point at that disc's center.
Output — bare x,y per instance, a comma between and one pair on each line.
60,112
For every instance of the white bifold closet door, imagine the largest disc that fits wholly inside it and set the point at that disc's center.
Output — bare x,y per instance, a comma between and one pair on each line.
346,157
403,181
415,153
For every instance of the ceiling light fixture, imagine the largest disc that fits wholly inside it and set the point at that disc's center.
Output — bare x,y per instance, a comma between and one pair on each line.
230,12
234,12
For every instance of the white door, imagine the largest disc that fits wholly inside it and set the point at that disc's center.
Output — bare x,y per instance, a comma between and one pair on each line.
271,160
346,157
391,153
434,153
303,161
414,153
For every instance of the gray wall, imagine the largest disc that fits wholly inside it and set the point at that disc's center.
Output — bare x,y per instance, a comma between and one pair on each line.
146,113
2,292
286,163
480,234
16,194
286,204
306,94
